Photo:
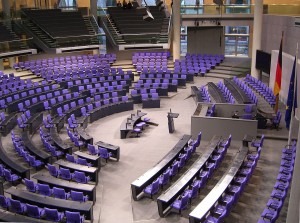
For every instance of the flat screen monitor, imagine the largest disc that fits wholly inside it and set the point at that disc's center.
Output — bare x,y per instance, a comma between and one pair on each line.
263,61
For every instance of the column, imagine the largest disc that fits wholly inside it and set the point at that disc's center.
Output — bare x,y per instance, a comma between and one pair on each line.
12,61
6,9
293,214
1,65
176,29
257,29
93,8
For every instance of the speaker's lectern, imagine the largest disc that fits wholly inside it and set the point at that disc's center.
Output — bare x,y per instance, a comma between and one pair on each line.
171,121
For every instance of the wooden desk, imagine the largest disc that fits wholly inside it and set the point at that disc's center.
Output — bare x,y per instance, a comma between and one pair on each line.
94,159
143,181
169,196
87,189
91,171
39,153
59,142
129,123
199,213
115,150
25,196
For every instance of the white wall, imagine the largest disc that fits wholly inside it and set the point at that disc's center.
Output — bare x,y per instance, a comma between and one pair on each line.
287,67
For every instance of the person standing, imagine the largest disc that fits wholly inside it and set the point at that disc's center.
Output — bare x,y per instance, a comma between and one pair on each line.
124,4
119,4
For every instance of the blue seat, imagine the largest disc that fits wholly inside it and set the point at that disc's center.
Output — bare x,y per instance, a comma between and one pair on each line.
78,196
44,189
84,162
153,188
258,143
74,217
52,170
92,149
164,178
80,177
104,153
10,177
33,162
65,173
30,185
4,202
181,204
53,215
17,206
60,193
70,158
35,211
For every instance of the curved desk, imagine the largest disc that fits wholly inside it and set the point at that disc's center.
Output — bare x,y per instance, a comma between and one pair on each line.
14,166
90,171
39,153
129,123
34,122
237,92
8,124
215,92
199,213
87,189
169,196
59,142
25,196
143,181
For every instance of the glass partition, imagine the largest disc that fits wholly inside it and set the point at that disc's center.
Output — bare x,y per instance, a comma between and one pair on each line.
9,46
236,40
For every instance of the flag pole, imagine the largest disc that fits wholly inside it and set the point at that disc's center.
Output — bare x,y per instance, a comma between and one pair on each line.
294,97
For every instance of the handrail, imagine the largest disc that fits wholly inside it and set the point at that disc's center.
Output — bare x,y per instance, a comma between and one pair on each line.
109,21
93,17
112,38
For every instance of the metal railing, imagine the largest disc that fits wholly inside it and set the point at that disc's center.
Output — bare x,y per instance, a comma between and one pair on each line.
15,45
213,9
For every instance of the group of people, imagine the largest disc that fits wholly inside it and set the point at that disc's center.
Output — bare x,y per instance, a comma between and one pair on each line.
128,5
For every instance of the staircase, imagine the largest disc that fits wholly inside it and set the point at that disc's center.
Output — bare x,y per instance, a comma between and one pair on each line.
88,20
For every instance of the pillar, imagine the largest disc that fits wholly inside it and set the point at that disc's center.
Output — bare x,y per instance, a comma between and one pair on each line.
1,65
12,61
6,9
293,214
257,29
93,8
176,29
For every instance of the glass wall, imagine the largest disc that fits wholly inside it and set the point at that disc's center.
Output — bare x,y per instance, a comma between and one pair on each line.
183,40
238,6
236,40
191,6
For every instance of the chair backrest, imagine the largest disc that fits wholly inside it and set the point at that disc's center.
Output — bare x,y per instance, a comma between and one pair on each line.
184,201
52,170
77,196
44,189
74,217
30,185
79,176
92,149
16,206
3,202
33,211
82,161
103,152
52,214
59,193
70,158
65,173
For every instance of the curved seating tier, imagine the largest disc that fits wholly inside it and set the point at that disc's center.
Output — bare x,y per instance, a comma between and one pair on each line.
165,200
217,204
281,186
147,178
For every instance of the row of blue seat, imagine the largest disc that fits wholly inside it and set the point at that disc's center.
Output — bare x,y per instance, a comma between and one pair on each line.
36,212
173,168
278,195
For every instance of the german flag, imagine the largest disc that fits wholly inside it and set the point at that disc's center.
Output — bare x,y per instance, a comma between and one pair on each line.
277,85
